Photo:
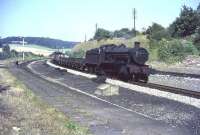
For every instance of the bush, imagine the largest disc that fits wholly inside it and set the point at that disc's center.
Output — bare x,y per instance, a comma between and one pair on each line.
175,50
5,52
197,44
14,53
102,34
197,39
190,49
154,44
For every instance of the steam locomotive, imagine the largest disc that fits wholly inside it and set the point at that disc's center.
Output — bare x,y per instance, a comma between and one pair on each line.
127,64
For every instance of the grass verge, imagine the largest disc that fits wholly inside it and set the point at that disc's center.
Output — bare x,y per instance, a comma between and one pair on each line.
30,115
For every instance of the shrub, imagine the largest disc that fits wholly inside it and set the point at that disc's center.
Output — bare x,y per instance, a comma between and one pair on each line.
175,50
154,44
197,39
102,34
190,49
5,52
14,53
197,44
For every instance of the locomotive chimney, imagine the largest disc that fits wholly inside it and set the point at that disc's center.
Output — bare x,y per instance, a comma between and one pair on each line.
137,44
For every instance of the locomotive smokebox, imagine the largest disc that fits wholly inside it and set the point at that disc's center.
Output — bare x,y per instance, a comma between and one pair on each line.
138,54
137,44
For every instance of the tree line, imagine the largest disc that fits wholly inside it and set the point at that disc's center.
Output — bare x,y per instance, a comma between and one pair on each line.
171,44
105,34
187,24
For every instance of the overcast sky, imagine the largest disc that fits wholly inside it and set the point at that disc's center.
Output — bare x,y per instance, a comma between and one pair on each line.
72,19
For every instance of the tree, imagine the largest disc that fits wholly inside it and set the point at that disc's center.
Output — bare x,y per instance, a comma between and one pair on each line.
185,24
5,52
102,34
14,53
154,28
198,9
121,33
6,49
157,32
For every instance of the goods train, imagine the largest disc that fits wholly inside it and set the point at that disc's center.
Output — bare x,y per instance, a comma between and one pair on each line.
127,64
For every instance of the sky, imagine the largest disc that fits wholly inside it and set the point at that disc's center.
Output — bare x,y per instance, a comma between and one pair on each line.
71,20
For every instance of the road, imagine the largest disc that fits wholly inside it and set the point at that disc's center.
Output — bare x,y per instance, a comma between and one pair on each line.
101,118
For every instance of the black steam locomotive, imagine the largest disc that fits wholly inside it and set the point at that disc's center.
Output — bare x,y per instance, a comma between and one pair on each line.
127,64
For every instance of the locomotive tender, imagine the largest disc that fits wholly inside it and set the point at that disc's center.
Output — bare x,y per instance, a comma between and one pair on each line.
127,64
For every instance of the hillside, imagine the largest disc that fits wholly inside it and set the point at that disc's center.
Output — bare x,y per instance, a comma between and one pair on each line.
35,49
41,41
128,42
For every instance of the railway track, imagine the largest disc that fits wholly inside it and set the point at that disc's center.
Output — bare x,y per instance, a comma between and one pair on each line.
175,90
137,102
154,71
185,92
165,88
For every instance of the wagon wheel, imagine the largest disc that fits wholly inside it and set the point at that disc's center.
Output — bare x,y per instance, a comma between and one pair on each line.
101,72
135,77
101,75
124,74
82,68
91,69
144,78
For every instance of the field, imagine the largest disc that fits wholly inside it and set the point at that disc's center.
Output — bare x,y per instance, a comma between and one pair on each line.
35,49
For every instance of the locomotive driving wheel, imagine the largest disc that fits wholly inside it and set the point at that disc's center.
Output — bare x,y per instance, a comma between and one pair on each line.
91,69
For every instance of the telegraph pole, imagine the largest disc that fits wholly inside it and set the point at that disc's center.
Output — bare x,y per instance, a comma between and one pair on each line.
23,46
134,18
85,38
96,28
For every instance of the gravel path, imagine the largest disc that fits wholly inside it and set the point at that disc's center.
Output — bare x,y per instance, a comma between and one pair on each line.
101,117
